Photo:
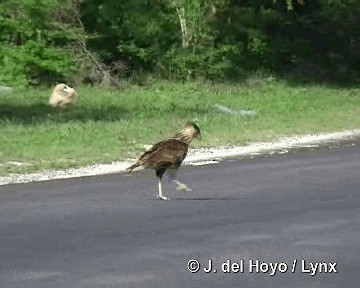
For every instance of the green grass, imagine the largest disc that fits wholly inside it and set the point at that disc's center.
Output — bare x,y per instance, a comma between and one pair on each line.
113,125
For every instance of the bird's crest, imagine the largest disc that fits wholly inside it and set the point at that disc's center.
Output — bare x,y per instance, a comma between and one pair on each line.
196,127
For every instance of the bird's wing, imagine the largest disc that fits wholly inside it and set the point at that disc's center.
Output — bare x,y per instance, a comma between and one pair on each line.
164,153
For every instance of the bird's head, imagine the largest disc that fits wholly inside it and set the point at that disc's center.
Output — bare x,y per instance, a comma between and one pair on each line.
192,129
65,89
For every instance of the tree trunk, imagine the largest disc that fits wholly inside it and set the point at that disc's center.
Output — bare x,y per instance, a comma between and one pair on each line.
184,31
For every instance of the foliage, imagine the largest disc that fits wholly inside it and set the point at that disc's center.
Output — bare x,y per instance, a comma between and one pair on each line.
32,42
50,40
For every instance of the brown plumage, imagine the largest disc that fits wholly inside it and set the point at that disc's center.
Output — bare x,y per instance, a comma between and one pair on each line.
168,154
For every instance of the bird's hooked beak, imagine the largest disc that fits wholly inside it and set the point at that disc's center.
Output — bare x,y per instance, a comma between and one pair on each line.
198,136
68,89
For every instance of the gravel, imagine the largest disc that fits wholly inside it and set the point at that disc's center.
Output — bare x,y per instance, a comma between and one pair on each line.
202,156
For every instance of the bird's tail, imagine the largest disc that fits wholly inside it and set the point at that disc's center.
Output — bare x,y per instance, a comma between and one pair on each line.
135,167
131,168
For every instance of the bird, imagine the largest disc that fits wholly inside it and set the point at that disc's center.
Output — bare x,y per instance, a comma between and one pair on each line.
168,154
62,95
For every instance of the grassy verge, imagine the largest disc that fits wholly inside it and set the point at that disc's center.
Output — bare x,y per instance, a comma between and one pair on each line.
113,125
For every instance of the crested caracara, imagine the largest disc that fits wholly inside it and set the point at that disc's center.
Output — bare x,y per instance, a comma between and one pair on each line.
168,154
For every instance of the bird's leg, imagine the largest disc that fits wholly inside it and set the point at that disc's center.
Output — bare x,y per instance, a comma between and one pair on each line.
179,185
160,173
161,196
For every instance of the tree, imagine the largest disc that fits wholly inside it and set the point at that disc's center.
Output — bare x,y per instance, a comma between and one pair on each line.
47,40
32,41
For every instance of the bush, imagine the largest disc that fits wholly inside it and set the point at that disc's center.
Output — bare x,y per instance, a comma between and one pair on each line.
29,63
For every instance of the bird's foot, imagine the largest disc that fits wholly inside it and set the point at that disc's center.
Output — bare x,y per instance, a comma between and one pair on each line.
161,197
182,187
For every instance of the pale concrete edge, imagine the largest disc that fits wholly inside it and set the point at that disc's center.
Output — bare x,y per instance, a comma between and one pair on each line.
200,156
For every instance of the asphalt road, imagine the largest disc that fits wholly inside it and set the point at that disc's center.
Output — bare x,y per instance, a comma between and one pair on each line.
108,231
